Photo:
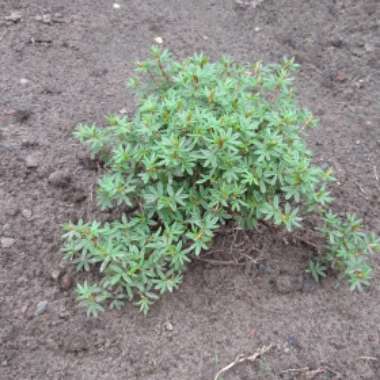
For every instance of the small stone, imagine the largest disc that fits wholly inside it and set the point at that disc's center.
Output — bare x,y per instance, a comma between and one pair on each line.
116,6
7,242
287,284
24,81
14,17
168,326
59,178
257,29
357,142
55,274
26,213
41,308
123,111
24,309
67,282
32,161
45,19
159,40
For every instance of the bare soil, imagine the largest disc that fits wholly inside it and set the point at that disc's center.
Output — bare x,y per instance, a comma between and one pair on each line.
71,66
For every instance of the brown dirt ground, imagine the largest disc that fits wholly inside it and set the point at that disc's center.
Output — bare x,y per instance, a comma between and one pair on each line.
76,69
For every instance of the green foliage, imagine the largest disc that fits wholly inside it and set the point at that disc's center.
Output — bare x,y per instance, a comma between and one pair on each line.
210,142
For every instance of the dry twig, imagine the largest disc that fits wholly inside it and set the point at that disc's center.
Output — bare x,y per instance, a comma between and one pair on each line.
241,359
308,373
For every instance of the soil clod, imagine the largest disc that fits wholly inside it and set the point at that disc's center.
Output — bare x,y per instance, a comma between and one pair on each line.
59,178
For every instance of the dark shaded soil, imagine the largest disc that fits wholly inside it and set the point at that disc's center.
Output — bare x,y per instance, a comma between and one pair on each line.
55,75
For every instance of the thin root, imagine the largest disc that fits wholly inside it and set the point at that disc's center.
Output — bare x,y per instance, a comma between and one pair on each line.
241,359
218,262
369,358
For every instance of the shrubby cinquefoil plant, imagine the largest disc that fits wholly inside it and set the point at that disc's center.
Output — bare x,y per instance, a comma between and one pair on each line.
210,142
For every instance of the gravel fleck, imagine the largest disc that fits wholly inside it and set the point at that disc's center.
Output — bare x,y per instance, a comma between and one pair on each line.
168,326
41,307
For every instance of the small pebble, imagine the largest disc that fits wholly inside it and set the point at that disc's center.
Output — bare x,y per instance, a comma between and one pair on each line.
32,161
168,326
7,242
24,81
26,213
116,6
55,274
67,282
24,309
45,19
257,29
41,307
159,40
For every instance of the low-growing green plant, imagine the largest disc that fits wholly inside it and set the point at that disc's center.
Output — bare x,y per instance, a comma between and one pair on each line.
209,143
